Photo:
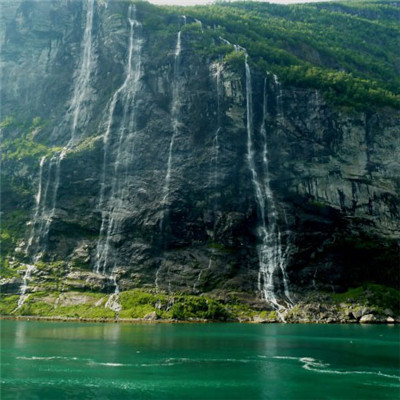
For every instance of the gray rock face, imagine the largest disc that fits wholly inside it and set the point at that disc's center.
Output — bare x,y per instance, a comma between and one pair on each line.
334,175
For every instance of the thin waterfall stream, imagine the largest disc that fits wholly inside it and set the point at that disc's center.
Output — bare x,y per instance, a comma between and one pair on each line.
214,169
114,206
175,111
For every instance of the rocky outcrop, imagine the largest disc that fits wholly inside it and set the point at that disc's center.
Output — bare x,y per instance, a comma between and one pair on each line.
158,184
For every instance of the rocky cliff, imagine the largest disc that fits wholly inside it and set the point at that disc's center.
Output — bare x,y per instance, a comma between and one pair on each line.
135,158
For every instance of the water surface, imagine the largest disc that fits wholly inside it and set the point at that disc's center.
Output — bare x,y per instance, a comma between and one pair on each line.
53,360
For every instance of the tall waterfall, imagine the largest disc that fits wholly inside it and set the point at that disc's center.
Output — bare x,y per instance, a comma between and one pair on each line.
119,153
270,255
175,130
279,98
214,166
175,110
46,201
215,159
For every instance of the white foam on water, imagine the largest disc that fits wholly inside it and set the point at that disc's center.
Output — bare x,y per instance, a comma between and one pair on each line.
108,364
314,365
40,358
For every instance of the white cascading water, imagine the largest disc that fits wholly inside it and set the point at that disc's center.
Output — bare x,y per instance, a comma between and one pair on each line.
200,23
279,98
214,172
45,207
271,259
175,110
114,207
217,131
175,130
273,229
38,198
27,275
225,41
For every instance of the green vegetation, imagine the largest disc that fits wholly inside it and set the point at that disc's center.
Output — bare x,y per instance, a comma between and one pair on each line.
187,307
23,145
8,304
45,304
13,225
140,304
347,50
21,152
135,304
7,270
371,294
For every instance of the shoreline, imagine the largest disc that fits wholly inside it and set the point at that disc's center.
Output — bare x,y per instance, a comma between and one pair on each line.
176,321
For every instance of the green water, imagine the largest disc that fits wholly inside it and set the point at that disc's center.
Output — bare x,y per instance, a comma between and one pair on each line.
46,360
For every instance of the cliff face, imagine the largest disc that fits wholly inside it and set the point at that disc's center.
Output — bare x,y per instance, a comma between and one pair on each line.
151,164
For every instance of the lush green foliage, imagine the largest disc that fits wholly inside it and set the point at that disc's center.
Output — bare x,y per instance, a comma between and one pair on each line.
8,304
140,304
349,51
135,304
371,294
19,140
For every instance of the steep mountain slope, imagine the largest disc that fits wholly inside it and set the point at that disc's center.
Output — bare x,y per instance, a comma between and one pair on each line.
238,151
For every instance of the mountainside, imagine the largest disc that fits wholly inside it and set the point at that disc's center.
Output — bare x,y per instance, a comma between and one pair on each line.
247,153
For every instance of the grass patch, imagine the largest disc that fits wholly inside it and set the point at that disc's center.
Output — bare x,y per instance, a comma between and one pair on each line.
372,294
137,304
8,304
7,271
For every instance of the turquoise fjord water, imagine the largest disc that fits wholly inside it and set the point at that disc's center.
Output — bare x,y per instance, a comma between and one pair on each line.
53,360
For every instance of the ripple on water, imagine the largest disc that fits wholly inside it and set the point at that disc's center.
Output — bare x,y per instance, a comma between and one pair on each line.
311,364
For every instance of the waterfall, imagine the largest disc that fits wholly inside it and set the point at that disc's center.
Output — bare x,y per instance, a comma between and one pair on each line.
271,259
82,82
45,206
175,110
225,41
175,130
114,207
38,198
273,234
113,301
23,296
200,23
279,98
217,131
